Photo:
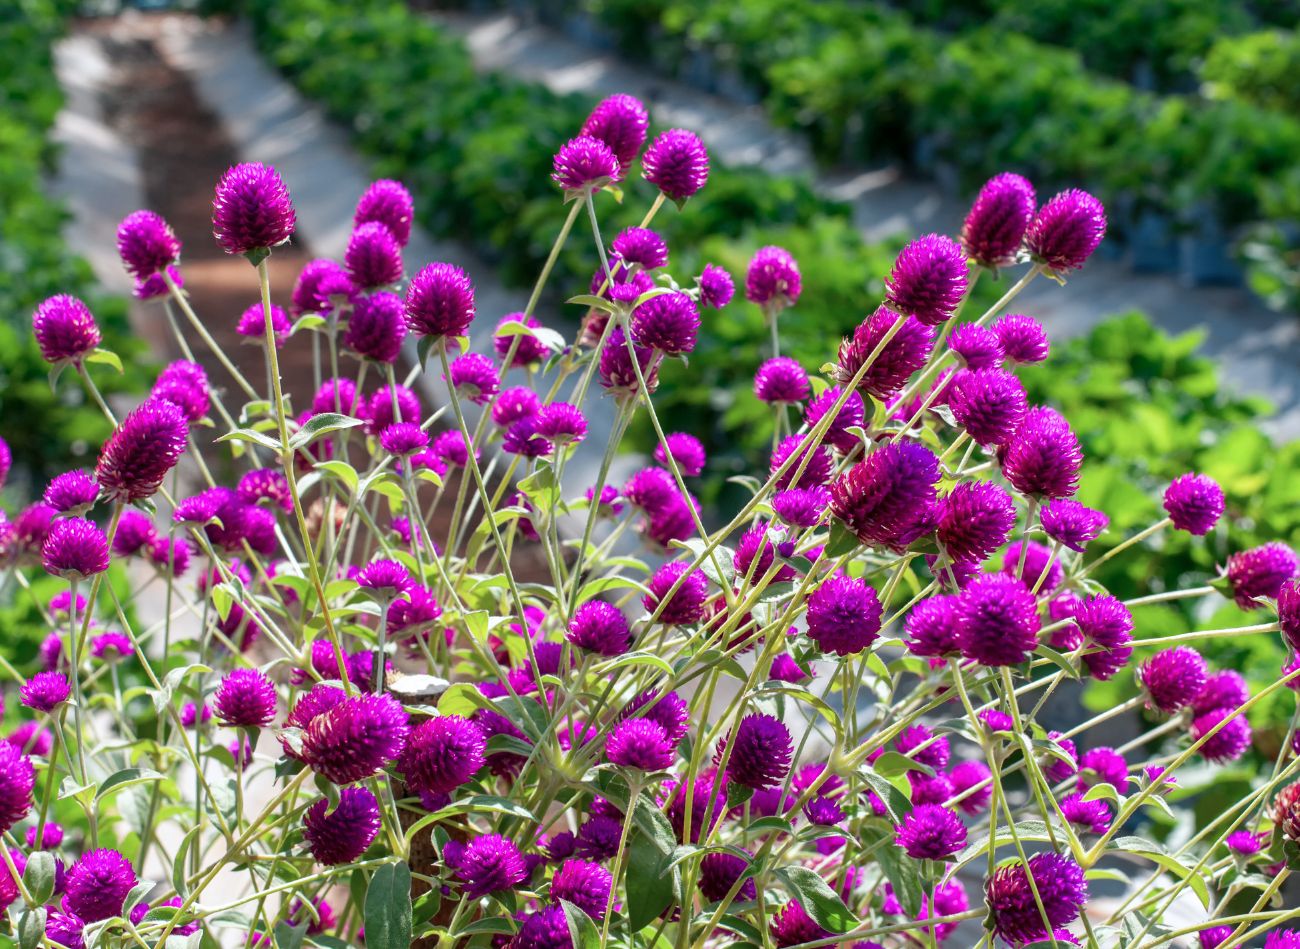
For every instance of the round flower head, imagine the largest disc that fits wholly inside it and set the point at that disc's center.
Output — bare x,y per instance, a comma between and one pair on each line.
252,324
622,123
110,647
192,715
1173,678
677,163
376,328
708,792
65,329
1057,769
978,346
920,744
1244,842
931,832
44,691
667,708
1023,338
529,350
185,385
547,928
816,463
928,280
252,211
443,753
515,404
1066,230
1279,939
146,244
1072,524
1042,457
403,439
1194,503
355,738
997,621
998,219
6,461
975,519
669,322
490,863
135,531
74,549
996,721
716,287
843,616
561,423
337,395
1015,913
773,278
618,373
440,301
792,926
686,450
781,381
989,403
1037,562
475,378
761,751
640,245
886,498
719,873
379,410
932,627
1226,689
1091,816
522,439
801,507
601,628
246,699
17,783
1288,612
1285,810
452,448
852,414
137,456
317,282
1107,766
343,834
640,744
388,203
585,164
72,493
584,884
1230,741
384,579
684,606
906,352
263,484
786,669
1260,572
1107,626
968,776
97,885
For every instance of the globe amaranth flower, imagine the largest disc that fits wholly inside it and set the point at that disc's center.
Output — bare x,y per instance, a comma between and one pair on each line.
585,884
707,795
251,210
928,279
816,463
452,448
404,439
843,616
1244,842
391,404
920,743
1280,939
932,627
1066,231
978,346
601,628
773,279
561,423
1229,742
617,371
1105,766
388,203
622,123
975,519
989,403
686,605
343,834
1013,909
666,708
337,395
677,163
1060,766
137,456
522,439
474,377
377,327
927,789
185,385
44,691
6,461
1194,503
997,621
760,752
1107,627
97,885
1091,816
74,549
716,287
781,381
440,301
252,324
355,738
1042,457
317,282
1173,678
1260,572
72,493
1023,338
598,838
1072,524
972,777
756,553
686,450
996,224
886,499
528,349
785,668
719,873
443,753
19,777
642,246
585,164
906,351
111,647
147,245
246,699
851,415
65,329
640,744
515,404
996,721
801,507
490,863
1032,563
931,832
792,926
669,323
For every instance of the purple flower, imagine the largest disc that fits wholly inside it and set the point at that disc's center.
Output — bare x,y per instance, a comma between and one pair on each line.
851,415
1194,503
403,439
355,738
490,863
686,450
1066,230
1056,769
515,404
65,329
97,885
584,884
1093,816
64,928
886,498
920,743
975,519
377,327
1244,842
185,385
618,373
601,628
677,163
1280,939
716,287
1228,743
641,744
801,507
928,280
19,777
1106,765
965,776
443,753
998,219
1107,625
931,832
932,627
786,669
1260,572
44,691
683,607
111,646
708,793
761,751
792,926
1042,457
475,378
246,699
1173,678
621,122
668,709
781,381
379,410
440,301
6,461
1072,524
773,278
906,352
146,244
522,439
337,395
317,283
252,324
388,203
815,461
74,549
843,616
137,456
529,350
719,873
192,715
640,245
989,403
669,322
343,834
134,531
978,346
72,493
453,448
262,484
561,423
1023,338
252,211
997,621
1015,913
1038,561
996,721
585,164
598,839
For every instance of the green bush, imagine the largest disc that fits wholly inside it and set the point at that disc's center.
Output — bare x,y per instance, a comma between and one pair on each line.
1259,68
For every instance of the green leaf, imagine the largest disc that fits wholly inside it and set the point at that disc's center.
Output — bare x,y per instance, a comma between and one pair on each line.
105,357
891,764
388,908
31,927
905,874
595,302
341,470
1060,661
1141,847
582,930
125,778
896,804
319,425
39,875
308,321
290,937
649,888
842,540
250,435
821,902
179,861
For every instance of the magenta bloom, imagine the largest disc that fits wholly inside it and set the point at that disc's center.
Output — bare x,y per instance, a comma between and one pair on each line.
773,278
816,463
146,445
584,884
617,371
185,385
989,403
1288,612
72,493
1092,816
252,324
669,322
801,507
677,163
905,353
6,461
1056,769
44,691
452,448
377,327
490,863
97,885
385,578
622,123
1173,678
1042,458
1072,524
1015,913
687,452
667,708
1260,572
967,775
640,744
147,246
601,628
761,752
920,743
975,519
388,203
851,415
997,621
781,381
933,626
514,404
928,280
640,245
687,604
1038,561
1226,689
320,285
403,439
843,616
65,329
474,376
246,699
343,834
111,646
443,753
355,738
1194,503
74,549
19,777
1107,625
373,256
1244,842
561,423
978,346
931,832
336,395
792,926
886,498
440,301
523,439
1067,230
716,287
585,164
529,350
379,411
1023,338
997,221
1228,743
547,928
252,211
